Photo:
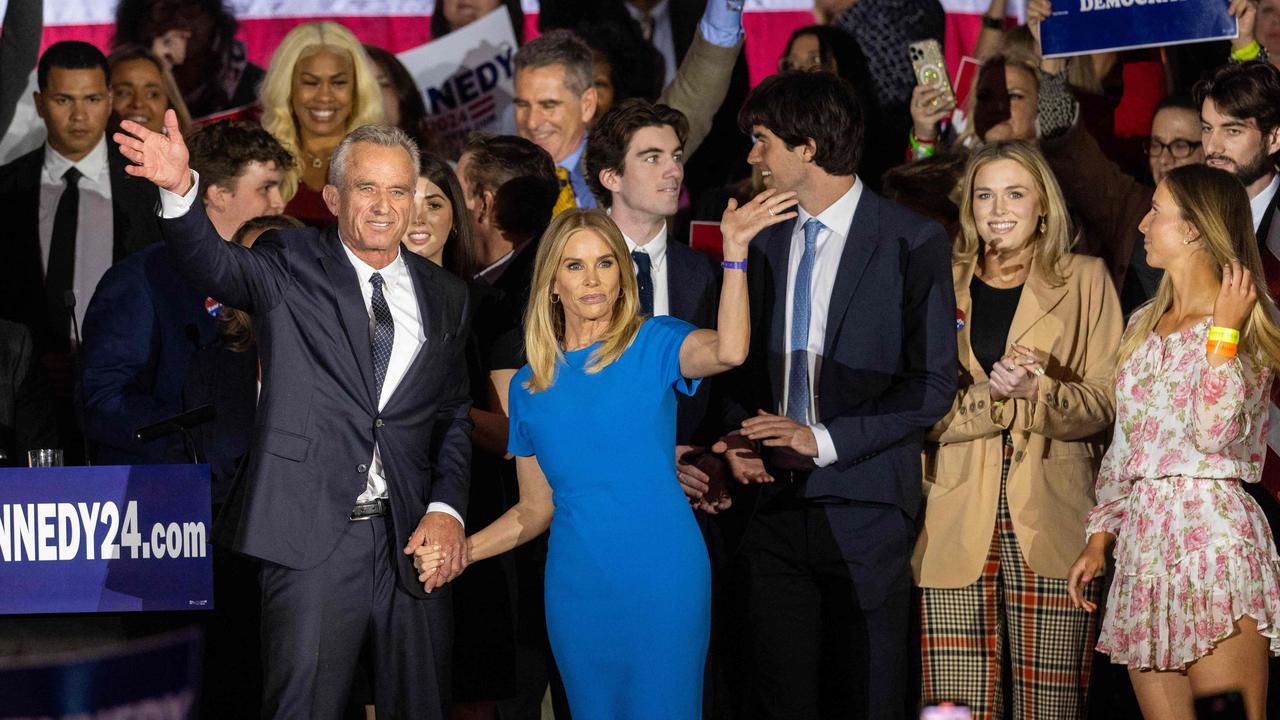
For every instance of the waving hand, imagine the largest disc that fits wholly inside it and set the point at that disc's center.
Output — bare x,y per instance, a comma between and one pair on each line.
161,158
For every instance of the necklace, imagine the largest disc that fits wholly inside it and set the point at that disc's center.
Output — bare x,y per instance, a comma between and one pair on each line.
317,162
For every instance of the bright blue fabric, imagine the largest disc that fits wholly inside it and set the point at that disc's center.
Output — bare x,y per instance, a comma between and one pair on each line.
628,583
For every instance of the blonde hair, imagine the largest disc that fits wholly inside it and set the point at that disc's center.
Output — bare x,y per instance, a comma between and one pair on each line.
1051,245
544,317
277,88
1215,203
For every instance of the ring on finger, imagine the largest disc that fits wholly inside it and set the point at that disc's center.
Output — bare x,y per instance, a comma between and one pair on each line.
771,212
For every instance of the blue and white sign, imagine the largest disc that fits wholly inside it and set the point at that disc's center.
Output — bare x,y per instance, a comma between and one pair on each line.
105,539
1077,27
157,678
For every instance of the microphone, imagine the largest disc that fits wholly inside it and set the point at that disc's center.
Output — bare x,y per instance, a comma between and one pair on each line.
69,302
177,423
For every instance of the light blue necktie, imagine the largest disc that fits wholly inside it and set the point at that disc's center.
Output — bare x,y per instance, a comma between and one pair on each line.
798,378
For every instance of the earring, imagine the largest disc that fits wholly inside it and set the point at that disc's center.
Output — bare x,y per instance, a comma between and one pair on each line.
554,298
1188,241
1044,225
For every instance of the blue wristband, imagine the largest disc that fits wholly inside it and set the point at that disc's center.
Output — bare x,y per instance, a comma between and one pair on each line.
734,265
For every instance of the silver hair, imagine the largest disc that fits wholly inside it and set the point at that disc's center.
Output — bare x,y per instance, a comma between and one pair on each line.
560,47
384,135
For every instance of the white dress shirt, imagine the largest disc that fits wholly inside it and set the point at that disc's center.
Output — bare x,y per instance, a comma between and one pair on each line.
397,288
95,221
656,249
836,220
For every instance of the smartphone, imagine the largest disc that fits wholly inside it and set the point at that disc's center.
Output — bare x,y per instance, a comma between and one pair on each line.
946,711
929,66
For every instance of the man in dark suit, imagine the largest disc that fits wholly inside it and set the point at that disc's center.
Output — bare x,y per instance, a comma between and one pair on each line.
362,448
71,210
145,322
853,359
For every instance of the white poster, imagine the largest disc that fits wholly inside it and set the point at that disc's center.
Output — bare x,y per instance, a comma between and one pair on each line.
466,79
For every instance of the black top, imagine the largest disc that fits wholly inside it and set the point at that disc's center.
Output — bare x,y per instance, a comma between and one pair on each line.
990,320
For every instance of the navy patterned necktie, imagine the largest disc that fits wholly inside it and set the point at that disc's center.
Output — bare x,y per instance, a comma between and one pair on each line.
644,278
384,332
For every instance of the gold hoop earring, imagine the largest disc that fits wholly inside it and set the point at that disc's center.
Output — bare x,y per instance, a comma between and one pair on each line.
555,298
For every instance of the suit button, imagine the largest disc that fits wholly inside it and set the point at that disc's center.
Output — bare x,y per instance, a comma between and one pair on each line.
362,468
377,423
973,407
1065,405
982,404
962,410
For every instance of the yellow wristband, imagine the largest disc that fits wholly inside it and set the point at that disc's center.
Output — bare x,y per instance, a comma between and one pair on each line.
1225,334
1248,52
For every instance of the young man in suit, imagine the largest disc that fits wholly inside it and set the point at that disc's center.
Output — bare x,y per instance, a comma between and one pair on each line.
853,359
362,359
145,322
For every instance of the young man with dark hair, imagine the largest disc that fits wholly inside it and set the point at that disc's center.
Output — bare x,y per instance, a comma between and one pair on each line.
853,360
71,211
145,323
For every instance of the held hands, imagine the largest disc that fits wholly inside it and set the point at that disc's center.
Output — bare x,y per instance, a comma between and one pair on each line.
704,492
929,105
161,158
744,462
1236,297
1091,564
1015,375
439,549
739,224
1246,12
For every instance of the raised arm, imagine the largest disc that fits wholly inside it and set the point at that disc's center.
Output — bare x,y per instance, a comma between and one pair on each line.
709,352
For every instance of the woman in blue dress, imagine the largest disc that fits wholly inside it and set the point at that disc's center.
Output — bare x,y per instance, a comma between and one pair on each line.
628,588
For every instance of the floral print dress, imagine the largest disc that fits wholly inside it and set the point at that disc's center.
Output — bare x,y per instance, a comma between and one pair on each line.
1193,552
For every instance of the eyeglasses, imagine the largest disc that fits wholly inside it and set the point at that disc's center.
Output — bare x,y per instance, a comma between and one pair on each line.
1178,148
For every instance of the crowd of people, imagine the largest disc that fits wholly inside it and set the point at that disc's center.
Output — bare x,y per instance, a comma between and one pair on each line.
965,396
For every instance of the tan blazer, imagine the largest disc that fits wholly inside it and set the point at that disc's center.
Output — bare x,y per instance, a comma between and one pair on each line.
700,86
1058,438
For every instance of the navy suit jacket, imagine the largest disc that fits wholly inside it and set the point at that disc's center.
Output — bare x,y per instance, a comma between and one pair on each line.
693,295
141,330
888,369
317,418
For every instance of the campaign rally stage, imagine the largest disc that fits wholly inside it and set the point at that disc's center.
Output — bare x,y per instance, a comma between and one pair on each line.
1088,26
105,539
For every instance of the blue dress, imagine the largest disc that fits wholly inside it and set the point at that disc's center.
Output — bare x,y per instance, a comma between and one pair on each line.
628,582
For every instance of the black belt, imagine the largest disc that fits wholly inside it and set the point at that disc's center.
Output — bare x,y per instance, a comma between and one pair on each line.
376,507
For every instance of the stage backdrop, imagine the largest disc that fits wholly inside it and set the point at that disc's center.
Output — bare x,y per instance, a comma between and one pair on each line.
399,25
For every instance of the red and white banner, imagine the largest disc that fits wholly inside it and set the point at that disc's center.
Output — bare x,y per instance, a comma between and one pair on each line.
399,25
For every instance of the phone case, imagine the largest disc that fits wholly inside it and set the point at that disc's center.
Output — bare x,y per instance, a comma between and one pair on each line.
929,66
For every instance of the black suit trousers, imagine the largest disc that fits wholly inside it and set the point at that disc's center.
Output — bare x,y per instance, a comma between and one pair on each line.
315,622
819,644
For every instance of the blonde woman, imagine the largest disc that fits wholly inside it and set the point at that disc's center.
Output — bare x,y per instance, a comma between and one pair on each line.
593,418
320,86
1009,470
1195,596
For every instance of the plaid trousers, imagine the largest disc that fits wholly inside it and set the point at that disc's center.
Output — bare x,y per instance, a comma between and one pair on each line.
1010,626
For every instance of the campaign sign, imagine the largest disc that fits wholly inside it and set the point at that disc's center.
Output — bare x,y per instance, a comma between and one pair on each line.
105,539
157,678
466,79
1077,27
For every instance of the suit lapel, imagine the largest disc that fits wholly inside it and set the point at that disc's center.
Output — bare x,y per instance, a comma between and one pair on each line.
860,244
418,276
1043,298
351,309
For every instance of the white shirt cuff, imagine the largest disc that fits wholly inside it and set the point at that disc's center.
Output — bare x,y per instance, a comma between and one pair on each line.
173,205
447,509
826,448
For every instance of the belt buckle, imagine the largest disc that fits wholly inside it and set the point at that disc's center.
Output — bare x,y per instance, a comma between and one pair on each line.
376,507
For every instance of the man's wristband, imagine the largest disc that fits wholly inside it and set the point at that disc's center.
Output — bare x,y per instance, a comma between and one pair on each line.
734,265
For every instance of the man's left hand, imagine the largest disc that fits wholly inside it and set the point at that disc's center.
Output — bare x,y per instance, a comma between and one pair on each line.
780,431
443,530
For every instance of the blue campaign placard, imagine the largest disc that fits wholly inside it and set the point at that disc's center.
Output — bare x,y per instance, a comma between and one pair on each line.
1088,26
105,539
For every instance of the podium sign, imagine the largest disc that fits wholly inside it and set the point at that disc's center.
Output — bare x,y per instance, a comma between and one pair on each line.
105,539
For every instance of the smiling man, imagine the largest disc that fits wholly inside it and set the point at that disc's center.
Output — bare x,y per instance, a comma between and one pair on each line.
364,358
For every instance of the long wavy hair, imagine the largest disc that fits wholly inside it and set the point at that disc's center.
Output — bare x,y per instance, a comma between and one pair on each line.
460,248
544,317
1054,242
1215,203
277,88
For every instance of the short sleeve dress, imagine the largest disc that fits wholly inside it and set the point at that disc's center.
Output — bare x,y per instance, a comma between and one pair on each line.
1193,551
628,582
